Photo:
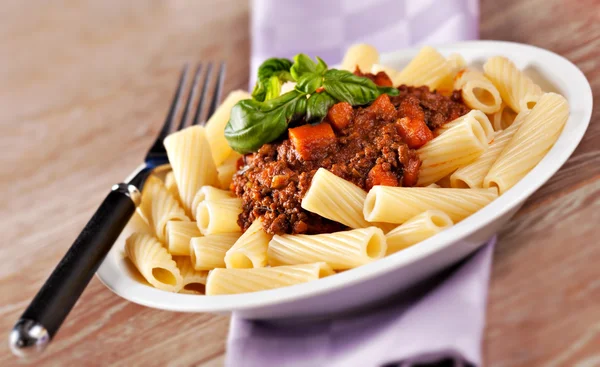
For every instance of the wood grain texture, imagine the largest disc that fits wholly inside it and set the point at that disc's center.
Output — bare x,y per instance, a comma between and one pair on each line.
84,86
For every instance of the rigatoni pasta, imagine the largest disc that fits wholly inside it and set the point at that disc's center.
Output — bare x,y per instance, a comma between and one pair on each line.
250,250
192,163
399,204
477,91
234,281
215,127
472,117
456,63
159,207
334,198
209,193
193,281
532,140
362,56
179,235
218,216
428,68
511,82
472,175
154,262
208,252
455,147
341,250
502,118
171,185
417,229
227,169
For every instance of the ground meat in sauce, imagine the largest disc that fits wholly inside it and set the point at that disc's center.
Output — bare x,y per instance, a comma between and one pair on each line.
438,109
273,181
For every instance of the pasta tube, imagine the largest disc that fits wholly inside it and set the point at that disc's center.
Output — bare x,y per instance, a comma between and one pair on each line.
456,63
209,193
532,140
159,207
194,281
417,229
234,281
503,118
454,148
341,250
472,175
154,262
474,117
171,185
362,56
399,204
208,252
215,127
179,235
428,68
192,163
511,82
219,216
477,91
334,198
250,250
227,169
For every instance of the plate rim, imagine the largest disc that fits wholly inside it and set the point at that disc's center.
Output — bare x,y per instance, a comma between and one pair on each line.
126,287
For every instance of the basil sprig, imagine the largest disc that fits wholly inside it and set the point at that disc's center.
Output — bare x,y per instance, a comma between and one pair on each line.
266,117
271,75
254,123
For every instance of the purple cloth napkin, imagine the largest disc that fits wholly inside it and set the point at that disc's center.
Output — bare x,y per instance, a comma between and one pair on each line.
326,28
439,322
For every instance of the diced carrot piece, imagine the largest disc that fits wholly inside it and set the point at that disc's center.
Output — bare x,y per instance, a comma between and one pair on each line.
414,132
340,115
383,107
383,80
309,140
411,172
378,176
412,126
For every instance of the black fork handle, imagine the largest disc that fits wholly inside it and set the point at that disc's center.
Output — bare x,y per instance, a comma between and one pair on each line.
44,316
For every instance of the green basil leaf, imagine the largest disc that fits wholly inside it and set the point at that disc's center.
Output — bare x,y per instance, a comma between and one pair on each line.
279,68
345,86
305,65
388,90
356,90
308,83
254,123
273,87
317,106
321,66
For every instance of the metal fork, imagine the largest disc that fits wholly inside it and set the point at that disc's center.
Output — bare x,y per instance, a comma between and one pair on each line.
44,316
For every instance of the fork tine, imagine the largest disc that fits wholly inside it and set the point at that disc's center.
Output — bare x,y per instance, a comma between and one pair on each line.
191,96
158,147
203,94
217,95
174,105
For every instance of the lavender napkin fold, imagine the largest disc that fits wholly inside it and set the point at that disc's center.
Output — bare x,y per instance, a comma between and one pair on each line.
326,28
439,322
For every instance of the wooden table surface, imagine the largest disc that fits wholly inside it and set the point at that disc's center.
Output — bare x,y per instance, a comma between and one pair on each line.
84,86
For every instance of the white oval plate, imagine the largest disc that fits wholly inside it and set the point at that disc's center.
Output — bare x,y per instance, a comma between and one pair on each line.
387,276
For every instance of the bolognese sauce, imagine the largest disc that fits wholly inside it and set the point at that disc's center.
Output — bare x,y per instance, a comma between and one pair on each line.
367,146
